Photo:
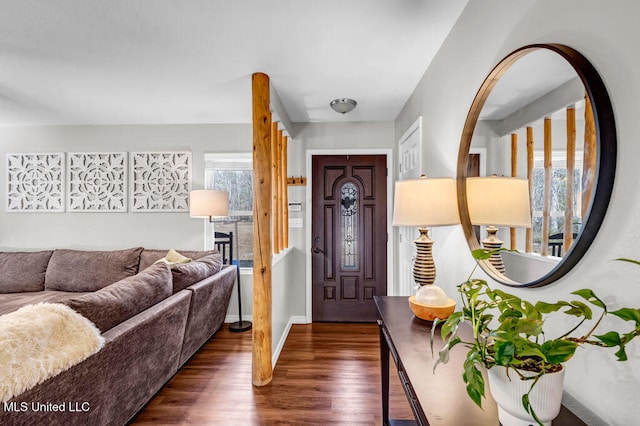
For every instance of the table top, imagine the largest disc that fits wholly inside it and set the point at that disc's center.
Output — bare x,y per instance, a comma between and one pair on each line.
442,395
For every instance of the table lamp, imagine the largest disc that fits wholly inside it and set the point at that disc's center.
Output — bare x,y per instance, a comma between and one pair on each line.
497,201
424,203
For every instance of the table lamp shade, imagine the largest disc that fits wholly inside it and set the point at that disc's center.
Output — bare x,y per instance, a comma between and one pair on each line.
208,203
499,201
425,202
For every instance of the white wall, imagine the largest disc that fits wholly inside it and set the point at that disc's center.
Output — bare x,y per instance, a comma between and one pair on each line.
606,33
113,230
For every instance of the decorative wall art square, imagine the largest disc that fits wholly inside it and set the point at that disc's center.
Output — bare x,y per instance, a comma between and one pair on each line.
97,182
160,181
35,182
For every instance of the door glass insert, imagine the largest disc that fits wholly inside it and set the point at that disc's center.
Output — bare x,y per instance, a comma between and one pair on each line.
349,225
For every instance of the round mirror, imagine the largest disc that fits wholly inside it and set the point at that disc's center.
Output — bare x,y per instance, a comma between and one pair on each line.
542,123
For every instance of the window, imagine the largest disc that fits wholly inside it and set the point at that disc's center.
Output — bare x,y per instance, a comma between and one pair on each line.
234,173
558,195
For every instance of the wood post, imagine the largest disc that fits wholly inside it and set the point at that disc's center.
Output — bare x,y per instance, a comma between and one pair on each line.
548,168
514,173
590,157
571,167
262,370
530,147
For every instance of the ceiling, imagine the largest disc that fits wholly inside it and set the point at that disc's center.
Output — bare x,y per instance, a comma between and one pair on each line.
84,62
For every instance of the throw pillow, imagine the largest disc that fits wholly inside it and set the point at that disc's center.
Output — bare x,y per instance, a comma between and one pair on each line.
186,274
149,256
73,270
120,301
173,257
23,271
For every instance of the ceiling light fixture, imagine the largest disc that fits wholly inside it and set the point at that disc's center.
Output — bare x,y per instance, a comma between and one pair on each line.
343,105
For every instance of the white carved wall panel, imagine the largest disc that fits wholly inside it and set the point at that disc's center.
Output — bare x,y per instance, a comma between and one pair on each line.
97,182
35,182
160,181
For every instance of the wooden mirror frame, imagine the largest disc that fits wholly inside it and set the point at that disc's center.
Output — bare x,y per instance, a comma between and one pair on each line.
606,148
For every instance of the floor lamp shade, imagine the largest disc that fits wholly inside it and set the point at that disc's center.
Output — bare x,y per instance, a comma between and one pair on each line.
208,203
425,202
498,201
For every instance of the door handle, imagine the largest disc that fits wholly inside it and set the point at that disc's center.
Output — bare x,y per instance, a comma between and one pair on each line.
317,250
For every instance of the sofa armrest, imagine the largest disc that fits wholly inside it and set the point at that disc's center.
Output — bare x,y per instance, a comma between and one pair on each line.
209,303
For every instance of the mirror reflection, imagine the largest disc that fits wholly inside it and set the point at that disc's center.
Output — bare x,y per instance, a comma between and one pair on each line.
536,124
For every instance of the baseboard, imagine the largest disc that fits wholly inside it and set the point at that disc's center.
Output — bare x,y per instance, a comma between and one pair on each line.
235,318
292,320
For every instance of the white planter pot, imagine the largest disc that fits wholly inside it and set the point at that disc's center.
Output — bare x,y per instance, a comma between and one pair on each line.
546,397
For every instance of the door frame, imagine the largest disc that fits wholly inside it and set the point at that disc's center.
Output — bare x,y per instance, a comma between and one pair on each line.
388,153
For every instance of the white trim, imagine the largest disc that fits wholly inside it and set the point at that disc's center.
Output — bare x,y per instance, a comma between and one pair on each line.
229,318
283,338
310,153
415,127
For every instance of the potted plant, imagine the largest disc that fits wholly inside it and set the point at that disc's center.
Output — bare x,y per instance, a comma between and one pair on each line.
510,342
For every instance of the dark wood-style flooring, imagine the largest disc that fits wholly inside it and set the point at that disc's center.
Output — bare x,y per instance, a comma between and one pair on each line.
327,374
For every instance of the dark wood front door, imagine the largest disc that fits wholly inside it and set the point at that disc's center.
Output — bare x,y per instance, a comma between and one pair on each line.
348,236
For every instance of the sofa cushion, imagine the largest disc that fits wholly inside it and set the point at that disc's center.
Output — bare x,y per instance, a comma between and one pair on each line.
23,271
120,301
149,256
73,270
185,274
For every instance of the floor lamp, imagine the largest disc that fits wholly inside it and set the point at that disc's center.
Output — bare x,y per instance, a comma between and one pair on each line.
497,201
425,203
214,204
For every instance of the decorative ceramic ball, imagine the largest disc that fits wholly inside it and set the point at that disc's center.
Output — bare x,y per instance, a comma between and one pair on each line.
431,295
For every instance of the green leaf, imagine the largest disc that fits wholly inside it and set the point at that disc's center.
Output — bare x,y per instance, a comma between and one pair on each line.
590,297
504,352
623,259
451,325
547,308
579,309
473,378
610,339
558,351
621,353
527,406
529,327
628,314
531,350
481,254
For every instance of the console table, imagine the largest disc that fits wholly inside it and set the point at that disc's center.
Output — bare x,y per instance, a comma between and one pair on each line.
436,399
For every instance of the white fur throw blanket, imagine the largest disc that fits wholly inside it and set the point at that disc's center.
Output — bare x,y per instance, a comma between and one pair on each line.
40,341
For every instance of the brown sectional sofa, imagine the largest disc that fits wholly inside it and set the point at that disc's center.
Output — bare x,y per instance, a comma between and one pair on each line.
153,317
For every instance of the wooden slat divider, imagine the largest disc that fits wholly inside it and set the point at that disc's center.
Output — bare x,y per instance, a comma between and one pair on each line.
590,157
571,166
279,193
285,193
548,168
514,173
530,147
274,187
